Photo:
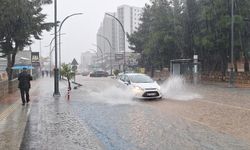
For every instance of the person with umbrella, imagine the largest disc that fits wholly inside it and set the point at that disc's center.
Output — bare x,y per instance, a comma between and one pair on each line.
24,85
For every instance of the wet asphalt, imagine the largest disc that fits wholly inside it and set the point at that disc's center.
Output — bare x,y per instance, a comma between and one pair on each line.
100,116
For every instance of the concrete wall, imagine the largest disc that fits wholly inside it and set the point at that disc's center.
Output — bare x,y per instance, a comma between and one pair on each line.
13,86
4,89
239,78
8,87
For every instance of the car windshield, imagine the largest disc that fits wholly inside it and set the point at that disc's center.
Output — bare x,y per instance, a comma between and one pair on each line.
140,79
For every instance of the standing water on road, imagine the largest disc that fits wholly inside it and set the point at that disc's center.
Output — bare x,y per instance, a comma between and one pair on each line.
176,88
105,90
115,96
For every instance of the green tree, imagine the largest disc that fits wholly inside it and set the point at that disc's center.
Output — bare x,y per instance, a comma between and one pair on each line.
160,36
173,29
20,21
67,72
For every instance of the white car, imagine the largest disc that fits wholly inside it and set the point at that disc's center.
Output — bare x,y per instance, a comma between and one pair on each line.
141,85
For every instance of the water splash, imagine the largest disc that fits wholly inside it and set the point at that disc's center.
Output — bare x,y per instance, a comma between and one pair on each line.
176,88
114,96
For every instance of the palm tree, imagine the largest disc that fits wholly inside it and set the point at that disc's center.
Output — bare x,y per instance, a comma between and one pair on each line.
67,72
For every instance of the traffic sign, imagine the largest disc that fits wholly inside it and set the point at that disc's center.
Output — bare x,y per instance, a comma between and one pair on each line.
74,68
74,62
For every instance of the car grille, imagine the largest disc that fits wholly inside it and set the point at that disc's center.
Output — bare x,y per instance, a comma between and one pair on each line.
149,89
151,94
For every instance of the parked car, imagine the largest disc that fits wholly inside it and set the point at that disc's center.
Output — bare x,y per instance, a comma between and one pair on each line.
99,74
85,73
141,85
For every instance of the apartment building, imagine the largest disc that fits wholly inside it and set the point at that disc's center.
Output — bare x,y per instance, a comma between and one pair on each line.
110,28
86,61
130,18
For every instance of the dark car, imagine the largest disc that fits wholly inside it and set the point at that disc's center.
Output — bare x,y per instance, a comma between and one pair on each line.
85,73
98,74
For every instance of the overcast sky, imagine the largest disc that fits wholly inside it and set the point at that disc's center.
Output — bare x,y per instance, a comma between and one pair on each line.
80,31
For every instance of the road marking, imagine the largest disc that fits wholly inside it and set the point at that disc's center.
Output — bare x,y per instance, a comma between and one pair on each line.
227,105
8,111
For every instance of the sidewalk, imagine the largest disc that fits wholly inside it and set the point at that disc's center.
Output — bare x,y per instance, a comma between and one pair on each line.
46,123
225,84
13,118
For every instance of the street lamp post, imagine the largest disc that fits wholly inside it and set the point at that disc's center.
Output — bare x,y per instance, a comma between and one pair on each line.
51,50
111,66
56,81
101,53
92,50
231,80
124,63
60,27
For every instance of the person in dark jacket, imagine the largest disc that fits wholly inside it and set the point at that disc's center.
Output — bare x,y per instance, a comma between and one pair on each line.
24,85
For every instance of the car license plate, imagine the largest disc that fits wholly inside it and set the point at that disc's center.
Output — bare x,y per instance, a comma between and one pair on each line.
151,94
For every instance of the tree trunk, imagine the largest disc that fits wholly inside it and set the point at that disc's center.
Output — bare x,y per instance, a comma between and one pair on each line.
246,63
11,58
69,85
8,69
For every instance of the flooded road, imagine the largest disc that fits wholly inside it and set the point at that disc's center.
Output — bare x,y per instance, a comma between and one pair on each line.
101,116
120,122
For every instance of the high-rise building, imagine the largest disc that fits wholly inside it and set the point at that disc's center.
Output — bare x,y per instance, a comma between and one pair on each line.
107,33
86,60
130,18
110,28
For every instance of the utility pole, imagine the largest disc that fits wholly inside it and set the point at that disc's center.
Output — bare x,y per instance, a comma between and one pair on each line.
231,80
110,52
56,79
60,28
124,36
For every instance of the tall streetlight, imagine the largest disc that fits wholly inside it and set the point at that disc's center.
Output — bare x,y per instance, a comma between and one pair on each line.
231,80
60,27
51,50
101,53
124,63
92,50
56,81
111,66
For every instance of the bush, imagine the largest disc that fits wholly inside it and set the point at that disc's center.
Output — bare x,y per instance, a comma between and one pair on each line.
116,72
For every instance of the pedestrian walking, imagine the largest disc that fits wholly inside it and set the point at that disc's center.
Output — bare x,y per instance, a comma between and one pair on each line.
42,73
47,73
24,85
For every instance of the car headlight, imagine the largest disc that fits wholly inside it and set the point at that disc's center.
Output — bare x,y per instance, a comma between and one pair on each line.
138,89
159,88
